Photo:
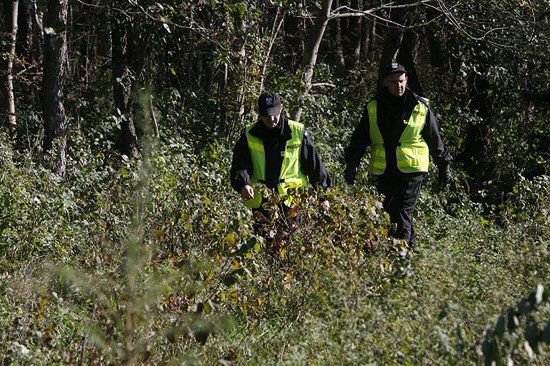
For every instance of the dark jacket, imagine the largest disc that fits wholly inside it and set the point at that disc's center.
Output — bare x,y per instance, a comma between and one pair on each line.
275,145
392,112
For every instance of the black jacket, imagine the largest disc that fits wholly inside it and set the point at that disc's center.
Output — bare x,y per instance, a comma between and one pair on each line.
392,112
275,145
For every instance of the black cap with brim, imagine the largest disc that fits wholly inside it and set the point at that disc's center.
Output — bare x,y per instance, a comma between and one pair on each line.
393,68
269,104
275,111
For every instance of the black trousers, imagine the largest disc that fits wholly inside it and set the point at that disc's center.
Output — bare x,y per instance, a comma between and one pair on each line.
401,192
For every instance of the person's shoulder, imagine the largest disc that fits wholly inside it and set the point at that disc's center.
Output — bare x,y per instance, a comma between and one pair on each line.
296,127
374,99
426,101
252,128
423,100
308,139
294,124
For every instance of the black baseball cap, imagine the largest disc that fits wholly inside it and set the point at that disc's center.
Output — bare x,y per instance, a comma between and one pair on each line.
393,68
269,104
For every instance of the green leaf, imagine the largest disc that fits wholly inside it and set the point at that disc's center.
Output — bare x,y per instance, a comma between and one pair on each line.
231,239
242,8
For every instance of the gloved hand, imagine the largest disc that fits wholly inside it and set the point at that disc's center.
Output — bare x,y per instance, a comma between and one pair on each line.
349,175
445,175
247,192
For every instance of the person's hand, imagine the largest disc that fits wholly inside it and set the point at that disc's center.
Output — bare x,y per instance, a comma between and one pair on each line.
325,205
349,175
445,175
247,193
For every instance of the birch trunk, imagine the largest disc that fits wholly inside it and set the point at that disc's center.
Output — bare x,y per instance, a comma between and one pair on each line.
9,66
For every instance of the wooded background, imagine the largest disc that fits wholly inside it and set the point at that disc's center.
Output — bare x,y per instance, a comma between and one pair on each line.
69,64
122,242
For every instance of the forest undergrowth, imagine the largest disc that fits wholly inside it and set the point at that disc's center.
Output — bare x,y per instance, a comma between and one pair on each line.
154,261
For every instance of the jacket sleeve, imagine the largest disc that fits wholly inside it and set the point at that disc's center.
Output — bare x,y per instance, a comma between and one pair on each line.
241,165
360,140
312,164
431,135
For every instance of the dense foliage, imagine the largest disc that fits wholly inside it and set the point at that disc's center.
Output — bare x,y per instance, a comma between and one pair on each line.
142,254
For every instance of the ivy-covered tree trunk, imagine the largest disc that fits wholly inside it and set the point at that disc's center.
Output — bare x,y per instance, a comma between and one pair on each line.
55,61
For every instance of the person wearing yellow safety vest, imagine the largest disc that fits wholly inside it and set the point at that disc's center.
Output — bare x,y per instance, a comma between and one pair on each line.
402,132
277,152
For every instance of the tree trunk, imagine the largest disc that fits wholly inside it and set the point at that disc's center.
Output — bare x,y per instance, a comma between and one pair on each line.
38,30
339,46
359,34
24,39
371,41
222,98
439,57
55,59
277,23
10,98
241,100
122,86
406,58
478,162
367,26
310,59
394,36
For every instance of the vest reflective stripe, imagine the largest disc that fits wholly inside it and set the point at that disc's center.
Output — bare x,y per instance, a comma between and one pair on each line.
377,163
291,175
412,153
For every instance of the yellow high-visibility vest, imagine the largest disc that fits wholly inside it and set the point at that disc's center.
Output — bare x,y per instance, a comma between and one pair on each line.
291,175
412,151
